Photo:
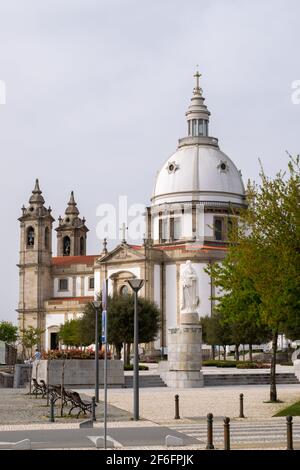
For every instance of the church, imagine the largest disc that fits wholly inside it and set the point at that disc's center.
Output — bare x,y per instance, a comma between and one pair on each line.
197,193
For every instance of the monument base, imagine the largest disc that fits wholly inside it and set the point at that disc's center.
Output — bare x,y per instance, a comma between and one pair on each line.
184,355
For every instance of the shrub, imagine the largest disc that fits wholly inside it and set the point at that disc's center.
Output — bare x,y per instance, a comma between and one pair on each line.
253,365
130,367
212,363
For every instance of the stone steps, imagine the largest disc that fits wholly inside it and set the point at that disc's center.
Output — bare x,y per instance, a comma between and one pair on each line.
248,379
145,381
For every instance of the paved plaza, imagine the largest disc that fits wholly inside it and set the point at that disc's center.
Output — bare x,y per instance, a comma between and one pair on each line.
22,416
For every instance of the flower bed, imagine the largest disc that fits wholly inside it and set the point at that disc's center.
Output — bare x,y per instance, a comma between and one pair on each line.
74,354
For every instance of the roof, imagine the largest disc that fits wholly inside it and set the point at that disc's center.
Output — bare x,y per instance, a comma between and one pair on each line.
68,260
198,174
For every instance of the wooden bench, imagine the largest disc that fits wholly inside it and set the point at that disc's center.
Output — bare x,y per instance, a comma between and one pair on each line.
57,393
37,388
77,402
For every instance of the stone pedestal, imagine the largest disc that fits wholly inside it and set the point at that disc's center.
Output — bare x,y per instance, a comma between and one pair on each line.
184,354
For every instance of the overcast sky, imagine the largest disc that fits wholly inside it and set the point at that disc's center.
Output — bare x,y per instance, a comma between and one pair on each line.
96,93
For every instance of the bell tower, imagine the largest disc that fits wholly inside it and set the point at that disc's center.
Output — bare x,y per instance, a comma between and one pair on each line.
71,232
35,261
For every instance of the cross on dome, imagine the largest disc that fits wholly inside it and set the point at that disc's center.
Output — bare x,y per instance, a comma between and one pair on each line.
197,89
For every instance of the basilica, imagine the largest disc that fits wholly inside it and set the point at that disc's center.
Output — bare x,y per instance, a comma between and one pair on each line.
197,193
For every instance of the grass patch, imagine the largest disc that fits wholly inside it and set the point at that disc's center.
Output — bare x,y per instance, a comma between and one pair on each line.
292,410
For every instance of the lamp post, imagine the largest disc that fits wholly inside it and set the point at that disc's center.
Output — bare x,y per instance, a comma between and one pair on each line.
97,306
136,285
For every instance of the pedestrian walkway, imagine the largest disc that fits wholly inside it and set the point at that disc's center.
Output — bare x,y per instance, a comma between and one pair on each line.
241,432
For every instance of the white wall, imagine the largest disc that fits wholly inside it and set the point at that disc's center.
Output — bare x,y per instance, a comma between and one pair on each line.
155,227
69,292
52,319
186,224
98,286
87,291
133,270
171,296
78,286
208,225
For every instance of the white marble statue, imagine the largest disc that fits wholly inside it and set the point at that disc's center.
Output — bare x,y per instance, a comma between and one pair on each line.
189,289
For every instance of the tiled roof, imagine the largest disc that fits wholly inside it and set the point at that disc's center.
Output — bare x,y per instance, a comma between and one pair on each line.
68,260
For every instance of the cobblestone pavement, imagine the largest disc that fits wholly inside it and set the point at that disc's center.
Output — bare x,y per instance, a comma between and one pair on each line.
18,407
157,404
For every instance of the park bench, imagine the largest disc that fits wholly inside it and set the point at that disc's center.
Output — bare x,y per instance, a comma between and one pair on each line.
37,388
77,402
57,393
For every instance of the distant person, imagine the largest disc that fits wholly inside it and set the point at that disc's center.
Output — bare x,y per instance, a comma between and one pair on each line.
37,355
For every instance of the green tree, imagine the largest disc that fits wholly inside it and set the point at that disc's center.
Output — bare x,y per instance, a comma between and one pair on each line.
69,332
8,332
121,317
264,254
215,331
120,314
31,337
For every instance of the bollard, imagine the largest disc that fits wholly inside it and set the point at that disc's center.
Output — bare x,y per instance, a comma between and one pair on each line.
51,410
177,407
209,444
226,434
289,429
94,408
241,406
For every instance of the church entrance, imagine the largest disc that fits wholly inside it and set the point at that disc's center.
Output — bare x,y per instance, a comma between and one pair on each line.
53,341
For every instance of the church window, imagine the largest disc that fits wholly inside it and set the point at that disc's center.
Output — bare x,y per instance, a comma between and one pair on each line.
163,230
124,290
81,246
66,246
194,123
218,229
201,126
30,237
47,238
91,283
63,284
177,229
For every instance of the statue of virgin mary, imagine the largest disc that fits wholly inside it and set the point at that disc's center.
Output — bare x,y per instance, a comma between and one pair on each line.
189,292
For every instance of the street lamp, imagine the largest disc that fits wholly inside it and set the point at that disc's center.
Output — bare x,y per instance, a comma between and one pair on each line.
97,306
136,285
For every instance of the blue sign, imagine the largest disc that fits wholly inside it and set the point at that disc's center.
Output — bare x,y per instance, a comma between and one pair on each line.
103,337
104,295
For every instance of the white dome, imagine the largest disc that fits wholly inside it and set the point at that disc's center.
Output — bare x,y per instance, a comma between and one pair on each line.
199,172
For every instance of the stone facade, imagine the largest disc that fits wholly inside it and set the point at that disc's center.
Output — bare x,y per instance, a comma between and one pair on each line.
197,196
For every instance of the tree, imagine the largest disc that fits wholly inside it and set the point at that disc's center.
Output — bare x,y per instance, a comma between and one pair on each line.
31,337
8,332
215,331
120,315
121,318
69,332
264,253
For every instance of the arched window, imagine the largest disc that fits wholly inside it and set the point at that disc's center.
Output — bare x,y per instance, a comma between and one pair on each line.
82,246
30,237
66,246
47,238
124,290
